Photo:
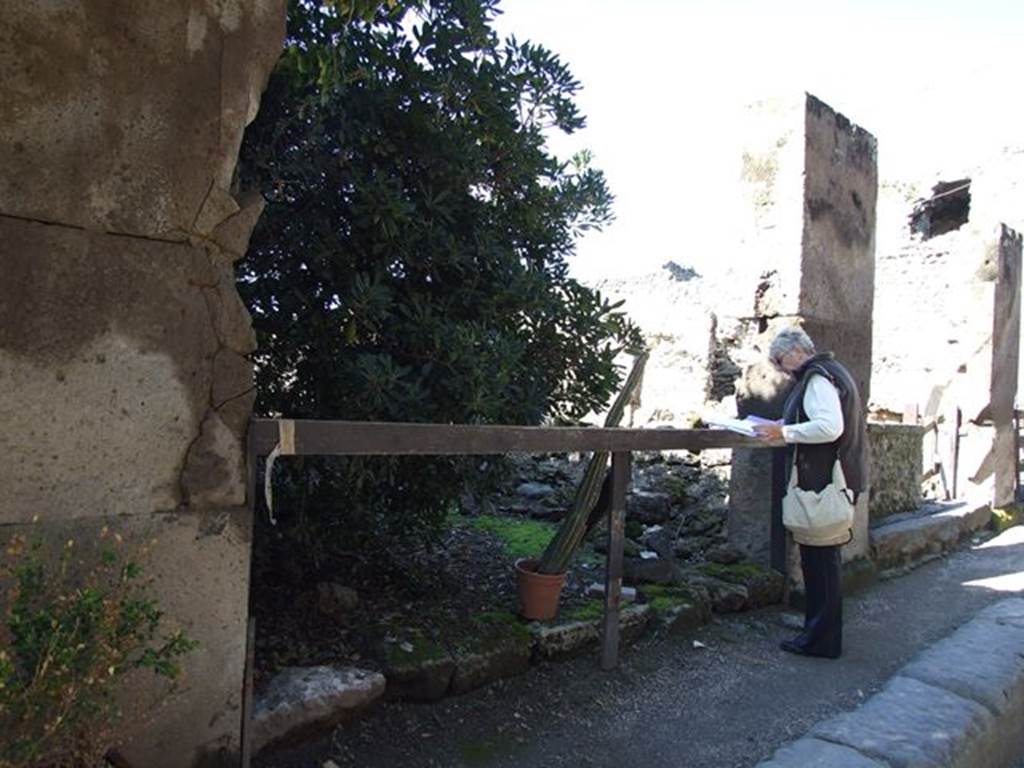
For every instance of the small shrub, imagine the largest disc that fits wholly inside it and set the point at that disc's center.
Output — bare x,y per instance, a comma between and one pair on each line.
74,625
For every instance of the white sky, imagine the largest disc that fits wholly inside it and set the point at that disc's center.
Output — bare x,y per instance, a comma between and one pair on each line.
937,82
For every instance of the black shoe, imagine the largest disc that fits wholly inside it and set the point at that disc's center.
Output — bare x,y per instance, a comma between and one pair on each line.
792,646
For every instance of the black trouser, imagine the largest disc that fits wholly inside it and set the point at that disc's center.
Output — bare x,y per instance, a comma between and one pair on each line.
823,614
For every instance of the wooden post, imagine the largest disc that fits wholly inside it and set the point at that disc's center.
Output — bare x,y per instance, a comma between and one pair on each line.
247,693
613,570
776,490
954,448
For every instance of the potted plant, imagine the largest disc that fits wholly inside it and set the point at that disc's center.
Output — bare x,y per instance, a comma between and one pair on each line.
539,581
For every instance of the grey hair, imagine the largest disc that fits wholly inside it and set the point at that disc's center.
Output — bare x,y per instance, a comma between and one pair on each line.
790,339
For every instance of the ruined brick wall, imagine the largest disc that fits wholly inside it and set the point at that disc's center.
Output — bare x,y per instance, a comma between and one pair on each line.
126,389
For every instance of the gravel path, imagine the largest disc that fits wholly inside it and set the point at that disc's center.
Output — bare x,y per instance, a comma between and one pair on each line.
728,702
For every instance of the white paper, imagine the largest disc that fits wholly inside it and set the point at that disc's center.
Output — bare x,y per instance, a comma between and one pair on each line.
743,426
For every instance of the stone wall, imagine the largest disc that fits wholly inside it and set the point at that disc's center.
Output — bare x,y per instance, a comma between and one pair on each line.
896,468
126,389
810,179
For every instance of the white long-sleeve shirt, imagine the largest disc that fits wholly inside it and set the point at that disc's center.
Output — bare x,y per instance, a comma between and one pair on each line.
824,414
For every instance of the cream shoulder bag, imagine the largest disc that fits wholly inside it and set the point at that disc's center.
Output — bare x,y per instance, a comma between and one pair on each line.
818,518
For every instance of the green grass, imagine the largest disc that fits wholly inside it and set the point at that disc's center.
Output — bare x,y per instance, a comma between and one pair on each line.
520,537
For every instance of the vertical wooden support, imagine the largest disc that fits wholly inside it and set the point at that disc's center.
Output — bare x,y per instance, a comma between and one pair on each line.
247,694
1020,445
776,489
954,448
613,571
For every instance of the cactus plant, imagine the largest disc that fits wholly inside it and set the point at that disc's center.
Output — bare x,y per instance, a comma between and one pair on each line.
575,525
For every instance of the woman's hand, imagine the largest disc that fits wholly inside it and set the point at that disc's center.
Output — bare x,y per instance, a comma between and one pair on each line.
771,433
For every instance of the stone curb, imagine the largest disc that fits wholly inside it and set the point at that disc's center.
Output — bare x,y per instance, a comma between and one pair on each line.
958,704
302,702
912,541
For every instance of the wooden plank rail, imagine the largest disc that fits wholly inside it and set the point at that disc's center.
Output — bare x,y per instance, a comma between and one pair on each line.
361,438
367,438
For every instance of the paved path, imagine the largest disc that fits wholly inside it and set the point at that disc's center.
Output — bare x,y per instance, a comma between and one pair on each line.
731,702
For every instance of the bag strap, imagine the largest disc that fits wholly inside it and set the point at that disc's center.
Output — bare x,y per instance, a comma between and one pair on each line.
838,476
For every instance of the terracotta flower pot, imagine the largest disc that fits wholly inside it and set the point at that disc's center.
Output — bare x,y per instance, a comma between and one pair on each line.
538,592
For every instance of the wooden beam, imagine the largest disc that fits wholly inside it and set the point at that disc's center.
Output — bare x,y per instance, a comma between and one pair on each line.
247,693
613,569
358,438
954,450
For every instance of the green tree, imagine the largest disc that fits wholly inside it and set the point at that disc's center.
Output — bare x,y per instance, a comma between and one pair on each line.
411,261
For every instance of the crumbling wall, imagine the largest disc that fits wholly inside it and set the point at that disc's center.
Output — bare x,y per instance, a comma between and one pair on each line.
936,294
126,389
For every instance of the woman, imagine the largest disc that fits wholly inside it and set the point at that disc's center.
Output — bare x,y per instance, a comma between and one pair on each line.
822,422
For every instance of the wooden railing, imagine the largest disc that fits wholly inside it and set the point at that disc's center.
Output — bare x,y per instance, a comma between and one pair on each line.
350,438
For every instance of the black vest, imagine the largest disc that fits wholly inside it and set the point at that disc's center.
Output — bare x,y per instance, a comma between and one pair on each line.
815,461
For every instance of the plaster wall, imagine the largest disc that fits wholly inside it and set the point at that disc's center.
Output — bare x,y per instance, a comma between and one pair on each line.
125,389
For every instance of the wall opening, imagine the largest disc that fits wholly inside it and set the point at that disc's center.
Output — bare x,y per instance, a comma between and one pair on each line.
946,210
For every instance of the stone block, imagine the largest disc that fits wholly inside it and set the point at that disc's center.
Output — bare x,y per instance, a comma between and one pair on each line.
726,597
896,455
421,671
566,640
684,618
1009,612
903,542
981,661
749,516
491,658
301,702
910,723
820,754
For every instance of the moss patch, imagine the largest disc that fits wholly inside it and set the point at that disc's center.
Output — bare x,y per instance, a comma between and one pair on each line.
418,651
664,598
501,623
588,611
737,573
1004,518
519,536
